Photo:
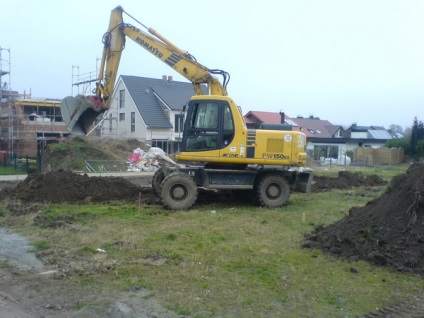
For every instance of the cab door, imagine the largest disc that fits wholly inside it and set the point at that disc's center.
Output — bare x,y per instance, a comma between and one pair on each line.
209,127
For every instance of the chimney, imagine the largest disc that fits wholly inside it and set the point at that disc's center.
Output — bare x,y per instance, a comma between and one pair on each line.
164,78
170,78
282,117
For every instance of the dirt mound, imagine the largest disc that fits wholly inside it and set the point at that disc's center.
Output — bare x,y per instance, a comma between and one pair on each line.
345,180
387,231
66,186
71,153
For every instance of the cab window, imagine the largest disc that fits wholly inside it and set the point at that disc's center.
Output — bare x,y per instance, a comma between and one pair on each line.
206,116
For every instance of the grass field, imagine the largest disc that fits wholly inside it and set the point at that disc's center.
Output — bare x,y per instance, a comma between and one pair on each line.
220,260
10,171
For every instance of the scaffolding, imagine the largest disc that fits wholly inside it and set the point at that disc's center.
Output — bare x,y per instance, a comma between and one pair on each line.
84,83
26,124
6,95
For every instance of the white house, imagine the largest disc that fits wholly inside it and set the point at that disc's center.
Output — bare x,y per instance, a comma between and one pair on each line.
149,110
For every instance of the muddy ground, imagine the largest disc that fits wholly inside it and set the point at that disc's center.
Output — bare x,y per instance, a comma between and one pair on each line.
386,232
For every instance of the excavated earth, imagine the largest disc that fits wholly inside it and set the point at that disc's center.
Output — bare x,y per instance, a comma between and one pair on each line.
345,180
388,231
66,186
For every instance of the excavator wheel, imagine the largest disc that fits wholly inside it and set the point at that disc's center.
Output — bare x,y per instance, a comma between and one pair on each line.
272,191
157,179
178,191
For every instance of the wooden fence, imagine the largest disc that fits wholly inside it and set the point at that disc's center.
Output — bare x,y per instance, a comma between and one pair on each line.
378,156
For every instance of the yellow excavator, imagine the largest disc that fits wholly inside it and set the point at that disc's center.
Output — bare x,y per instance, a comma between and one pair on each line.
222,152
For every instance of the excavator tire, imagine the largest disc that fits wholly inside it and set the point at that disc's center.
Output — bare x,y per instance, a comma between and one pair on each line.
157,179
272,191
178,191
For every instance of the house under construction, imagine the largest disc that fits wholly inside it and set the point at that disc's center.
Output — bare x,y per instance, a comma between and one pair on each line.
27,124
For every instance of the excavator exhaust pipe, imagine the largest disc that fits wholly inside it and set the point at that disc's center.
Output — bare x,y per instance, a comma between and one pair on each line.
79,113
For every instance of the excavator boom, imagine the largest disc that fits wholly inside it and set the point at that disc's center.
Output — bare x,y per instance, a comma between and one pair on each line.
80,112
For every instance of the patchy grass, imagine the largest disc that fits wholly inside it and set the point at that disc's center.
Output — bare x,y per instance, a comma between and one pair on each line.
220,260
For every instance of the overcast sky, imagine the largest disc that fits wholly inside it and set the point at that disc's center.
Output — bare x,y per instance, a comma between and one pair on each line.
344,61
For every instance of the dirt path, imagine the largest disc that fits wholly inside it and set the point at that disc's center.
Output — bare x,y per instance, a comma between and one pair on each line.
25,293
29,289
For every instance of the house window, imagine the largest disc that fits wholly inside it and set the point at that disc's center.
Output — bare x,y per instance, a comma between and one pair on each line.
132,122
121,116
324,151
121,98
179,122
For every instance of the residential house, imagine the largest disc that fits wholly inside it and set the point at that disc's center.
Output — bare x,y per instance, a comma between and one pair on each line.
324,140
150,110
254,119
367,136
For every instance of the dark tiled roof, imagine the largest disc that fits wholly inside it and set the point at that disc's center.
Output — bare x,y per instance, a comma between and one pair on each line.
317,127
148,93
311,127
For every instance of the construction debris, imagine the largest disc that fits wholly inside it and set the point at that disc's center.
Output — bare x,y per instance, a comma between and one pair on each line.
151,160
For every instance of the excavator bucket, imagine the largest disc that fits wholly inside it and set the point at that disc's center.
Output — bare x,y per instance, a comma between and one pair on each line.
303,182
79,114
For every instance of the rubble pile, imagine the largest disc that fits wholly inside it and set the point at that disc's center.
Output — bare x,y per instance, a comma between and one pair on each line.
145,161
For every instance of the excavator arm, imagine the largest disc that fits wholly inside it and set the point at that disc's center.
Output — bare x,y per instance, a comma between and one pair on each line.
80,112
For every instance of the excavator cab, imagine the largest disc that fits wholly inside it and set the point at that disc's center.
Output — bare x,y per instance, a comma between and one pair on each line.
209,126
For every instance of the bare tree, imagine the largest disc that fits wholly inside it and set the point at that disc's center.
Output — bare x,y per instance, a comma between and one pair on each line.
396,129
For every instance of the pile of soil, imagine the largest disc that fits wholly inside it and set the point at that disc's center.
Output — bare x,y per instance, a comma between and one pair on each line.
71,152
346,180
388,231
66,186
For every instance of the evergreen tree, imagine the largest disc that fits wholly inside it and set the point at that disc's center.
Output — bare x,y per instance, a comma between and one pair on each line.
417,134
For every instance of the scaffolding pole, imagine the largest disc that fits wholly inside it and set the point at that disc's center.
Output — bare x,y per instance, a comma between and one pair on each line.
6,94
